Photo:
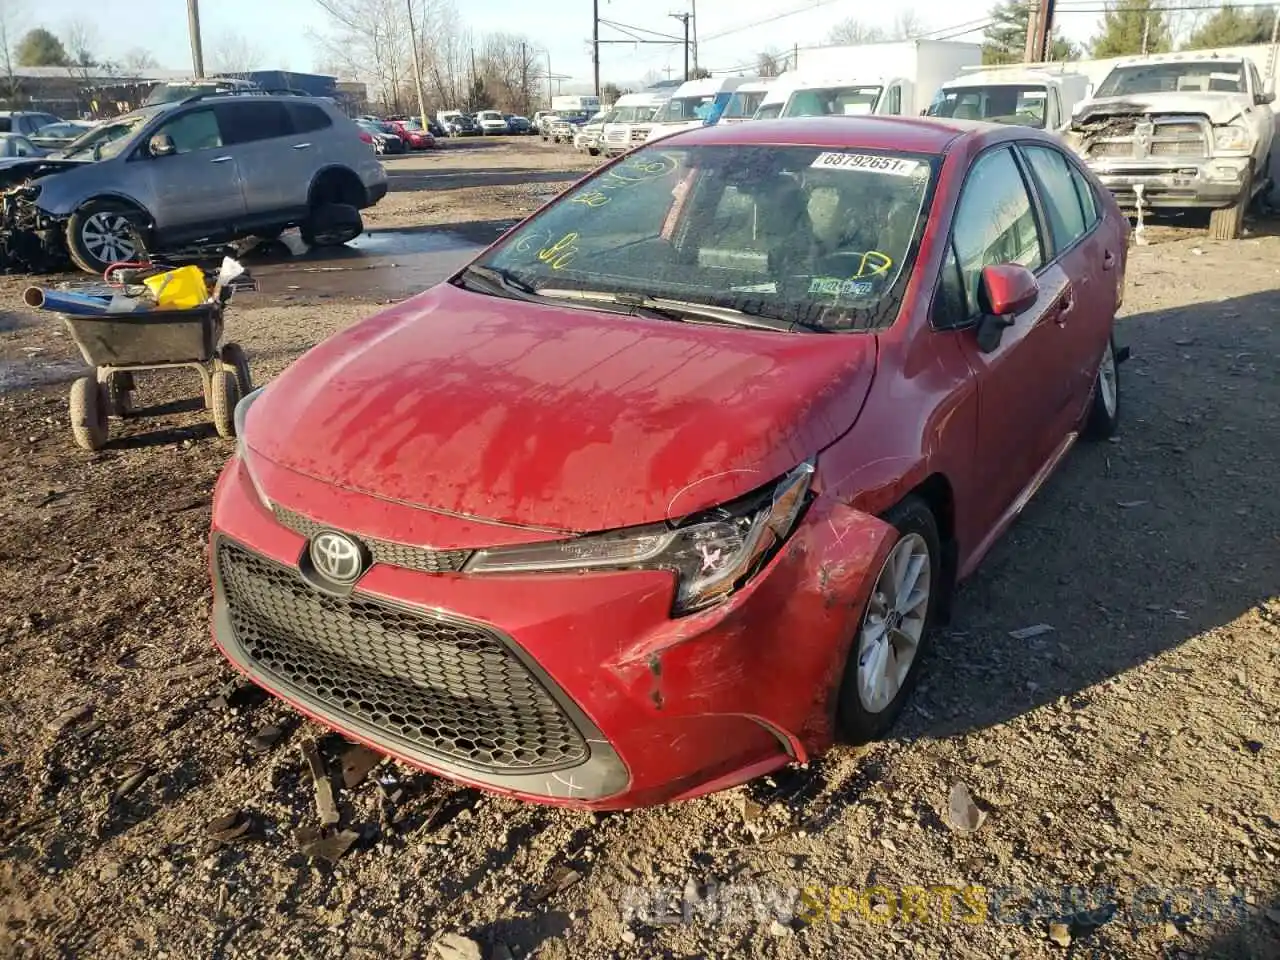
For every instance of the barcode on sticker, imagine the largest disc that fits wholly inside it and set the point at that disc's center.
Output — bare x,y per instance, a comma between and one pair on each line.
865,161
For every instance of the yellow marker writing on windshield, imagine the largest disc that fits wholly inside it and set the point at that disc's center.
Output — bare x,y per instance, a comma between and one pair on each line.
561,253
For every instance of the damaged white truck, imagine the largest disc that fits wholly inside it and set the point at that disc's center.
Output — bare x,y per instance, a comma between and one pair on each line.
1179,132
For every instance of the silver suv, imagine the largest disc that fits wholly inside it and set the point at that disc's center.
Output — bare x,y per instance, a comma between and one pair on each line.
209,169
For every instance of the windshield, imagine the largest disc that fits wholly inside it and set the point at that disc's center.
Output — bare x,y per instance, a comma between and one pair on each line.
680,109
825,101
1003,103
742,106
793,233
768,111
1179,76
632,114
107,139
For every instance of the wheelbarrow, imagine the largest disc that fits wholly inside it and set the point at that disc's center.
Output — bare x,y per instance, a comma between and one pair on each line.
118,345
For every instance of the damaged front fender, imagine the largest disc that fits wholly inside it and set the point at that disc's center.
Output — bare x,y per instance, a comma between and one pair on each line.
30,238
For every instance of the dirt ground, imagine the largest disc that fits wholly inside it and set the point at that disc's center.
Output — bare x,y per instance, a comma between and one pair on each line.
1132,750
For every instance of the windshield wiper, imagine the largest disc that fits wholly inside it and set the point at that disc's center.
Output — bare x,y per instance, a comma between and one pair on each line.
501,279
666,308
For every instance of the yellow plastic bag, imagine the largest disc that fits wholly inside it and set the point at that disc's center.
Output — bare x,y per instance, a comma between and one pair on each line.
179,289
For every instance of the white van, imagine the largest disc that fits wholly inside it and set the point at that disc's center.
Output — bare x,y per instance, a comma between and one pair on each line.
893,79
696,103
1020,94
746,100
629,125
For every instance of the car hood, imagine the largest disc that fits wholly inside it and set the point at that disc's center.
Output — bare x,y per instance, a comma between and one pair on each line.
15,169
554,417
1218,107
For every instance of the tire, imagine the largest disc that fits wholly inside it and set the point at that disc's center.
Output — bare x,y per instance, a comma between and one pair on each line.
119,387
234,359
88,409
1228,223
97,237
861,716
332,225
225,392
593,151
1104,408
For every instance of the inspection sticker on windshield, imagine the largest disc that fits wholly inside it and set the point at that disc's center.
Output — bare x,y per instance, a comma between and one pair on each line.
865,161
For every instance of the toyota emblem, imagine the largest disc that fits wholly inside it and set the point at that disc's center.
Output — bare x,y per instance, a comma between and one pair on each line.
337,557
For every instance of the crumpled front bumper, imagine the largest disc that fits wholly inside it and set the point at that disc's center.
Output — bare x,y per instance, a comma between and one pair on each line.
1197,183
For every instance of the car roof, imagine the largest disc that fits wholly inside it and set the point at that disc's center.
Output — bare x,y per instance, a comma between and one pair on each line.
908,134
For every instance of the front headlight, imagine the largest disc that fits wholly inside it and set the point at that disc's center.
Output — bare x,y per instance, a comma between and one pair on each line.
1231,138
710,553
242,450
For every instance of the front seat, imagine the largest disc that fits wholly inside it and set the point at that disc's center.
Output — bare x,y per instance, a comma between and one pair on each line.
786,229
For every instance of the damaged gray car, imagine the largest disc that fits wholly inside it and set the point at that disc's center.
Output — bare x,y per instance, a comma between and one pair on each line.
194,173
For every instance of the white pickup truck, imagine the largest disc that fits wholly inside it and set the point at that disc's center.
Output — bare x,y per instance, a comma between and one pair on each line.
1180,131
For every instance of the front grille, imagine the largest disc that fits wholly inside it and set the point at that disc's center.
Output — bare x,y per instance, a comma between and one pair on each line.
1179,138
450,688
423,559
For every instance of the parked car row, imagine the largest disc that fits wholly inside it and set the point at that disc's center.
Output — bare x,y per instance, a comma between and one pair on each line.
1169,131
456,123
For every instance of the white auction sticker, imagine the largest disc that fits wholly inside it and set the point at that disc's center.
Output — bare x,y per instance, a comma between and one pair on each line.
865,161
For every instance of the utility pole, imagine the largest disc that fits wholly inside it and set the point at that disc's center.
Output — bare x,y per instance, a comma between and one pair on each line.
795,57
1033,27
1044,30
595,46
548,53
193,27
693,16
417,66
471,90
1146,31
524,78
685,18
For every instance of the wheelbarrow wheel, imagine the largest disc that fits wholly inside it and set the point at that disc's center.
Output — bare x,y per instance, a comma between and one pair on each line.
233,358
120,393
89,413
226,394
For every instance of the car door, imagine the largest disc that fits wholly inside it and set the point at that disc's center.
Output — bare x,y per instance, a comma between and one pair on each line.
1089,256
276,165
1018,382
194,193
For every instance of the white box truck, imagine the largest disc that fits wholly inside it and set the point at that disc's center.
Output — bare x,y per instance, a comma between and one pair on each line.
895,79
1031,95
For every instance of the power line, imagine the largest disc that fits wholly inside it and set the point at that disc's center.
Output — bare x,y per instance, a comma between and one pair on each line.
780,16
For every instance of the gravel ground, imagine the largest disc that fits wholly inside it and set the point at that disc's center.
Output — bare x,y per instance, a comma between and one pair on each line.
150,805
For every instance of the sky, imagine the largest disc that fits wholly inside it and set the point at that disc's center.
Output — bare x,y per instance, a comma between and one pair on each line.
280,28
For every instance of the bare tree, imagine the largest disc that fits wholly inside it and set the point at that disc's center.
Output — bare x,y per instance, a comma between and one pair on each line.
234,53
369,40
770,63
138,62
850,31
10,27
79,37
906,25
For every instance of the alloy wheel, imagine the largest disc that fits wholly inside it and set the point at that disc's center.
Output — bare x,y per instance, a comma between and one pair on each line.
894,623
108,236
1108,380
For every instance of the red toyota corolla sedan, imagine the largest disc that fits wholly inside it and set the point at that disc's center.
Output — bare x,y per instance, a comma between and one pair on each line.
666,489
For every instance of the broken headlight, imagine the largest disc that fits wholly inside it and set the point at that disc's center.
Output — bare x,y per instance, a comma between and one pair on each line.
1231,138
710,552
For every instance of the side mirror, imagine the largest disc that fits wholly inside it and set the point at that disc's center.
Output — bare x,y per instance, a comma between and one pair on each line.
1267,97
1005,290
161,145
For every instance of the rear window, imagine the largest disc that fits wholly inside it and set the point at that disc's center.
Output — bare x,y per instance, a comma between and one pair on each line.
307,117
248,120
6,124
801,234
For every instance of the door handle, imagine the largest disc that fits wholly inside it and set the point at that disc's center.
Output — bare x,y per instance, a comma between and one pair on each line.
301,146
1108,260
220,159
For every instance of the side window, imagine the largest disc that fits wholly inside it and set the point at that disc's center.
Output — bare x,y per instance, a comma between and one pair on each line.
994,222
307,117
1058,192
1088,199
197,130
949,307
1254,80
249,120
894,101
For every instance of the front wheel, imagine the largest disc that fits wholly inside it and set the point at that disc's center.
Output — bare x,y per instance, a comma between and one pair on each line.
1104,409
1228,223
88,408
893,634
103,232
